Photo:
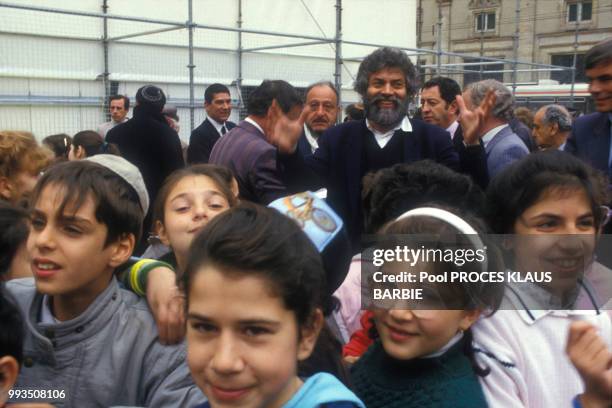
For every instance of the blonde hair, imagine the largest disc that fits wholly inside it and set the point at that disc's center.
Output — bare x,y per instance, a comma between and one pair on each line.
20,152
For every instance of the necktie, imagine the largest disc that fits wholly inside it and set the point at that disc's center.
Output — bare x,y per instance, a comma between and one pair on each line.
223,130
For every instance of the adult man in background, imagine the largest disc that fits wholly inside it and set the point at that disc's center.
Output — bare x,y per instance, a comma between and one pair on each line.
386,81
149,143
320,113
502,145
274,108
590,138
552,125
118,106
218,106
439,107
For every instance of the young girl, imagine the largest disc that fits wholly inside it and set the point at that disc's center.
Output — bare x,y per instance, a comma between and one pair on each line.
551,202
423,357
88,143
188,200
255,289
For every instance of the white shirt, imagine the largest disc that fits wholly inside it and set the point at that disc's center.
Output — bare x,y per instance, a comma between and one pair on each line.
452,129
525,351
383,138
314,145
218,126
491,134
252,122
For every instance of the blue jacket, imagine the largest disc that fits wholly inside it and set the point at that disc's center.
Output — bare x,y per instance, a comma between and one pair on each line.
321,390
590,141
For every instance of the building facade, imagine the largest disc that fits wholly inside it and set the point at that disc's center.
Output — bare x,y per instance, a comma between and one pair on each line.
540,31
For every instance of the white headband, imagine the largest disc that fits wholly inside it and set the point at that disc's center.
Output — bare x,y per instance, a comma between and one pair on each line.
451,219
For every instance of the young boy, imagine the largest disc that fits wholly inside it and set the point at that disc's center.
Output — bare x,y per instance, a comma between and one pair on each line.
88,342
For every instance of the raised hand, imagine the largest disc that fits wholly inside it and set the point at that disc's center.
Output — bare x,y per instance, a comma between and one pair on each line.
471,121
287,128
167,303
591,357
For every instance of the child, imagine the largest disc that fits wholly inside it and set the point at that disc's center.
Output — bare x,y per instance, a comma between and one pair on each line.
21,161
60,145
551,202
84,335
255,290
423,357
88,143
14,262
188,199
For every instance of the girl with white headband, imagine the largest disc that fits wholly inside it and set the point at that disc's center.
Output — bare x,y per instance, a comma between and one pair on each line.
423,355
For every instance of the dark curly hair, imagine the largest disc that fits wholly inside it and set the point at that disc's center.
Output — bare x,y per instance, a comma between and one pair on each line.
386,57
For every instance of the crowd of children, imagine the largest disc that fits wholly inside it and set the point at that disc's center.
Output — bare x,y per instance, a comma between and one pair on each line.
237,308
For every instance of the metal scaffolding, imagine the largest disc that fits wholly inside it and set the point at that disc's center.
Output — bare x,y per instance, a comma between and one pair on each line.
337,42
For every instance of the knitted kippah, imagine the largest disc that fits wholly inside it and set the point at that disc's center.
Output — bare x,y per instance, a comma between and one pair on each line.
151,95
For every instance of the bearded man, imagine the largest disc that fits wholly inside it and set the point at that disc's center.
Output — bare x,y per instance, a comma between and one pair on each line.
386,81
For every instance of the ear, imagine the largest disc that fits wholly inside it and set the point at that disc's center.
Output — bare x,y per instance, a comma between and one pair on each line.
6,188
122,249
309,335
80,152
234,187
161,233
8,375
453,108
554,128
469,317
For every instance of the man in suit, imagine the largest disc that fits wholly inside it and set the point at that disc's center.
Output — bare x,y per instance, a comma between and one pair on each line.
320,113
439,107
274,108
491,124
552,125
218,106
590,138
386,81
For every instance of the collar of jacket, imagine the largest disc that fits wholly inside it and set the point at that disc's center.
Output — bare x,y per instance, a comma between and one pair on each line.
71,332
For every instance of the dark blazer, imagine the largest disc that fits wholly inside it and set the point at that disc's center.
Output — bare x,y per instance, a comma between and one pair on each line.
150,144
303,146
202,140
473,159
338,165
590,141
246,152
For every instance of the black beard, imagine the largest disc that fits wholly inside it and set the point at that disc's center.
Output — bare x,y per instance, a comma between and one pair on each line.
384,117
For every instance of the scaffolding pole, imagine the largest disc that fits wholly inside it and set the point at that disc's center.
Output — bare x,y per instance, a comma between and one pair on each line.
439,41
106,73
338,56
191,67
574,65
239,56
516,43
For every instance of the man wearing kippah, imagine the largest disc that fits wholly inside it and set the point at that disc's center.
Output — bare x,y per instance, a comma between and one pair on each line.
149,143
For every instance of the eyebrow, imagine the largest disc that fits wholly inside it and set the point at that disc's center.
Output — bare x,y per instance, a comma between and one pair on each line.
589,214
184,195
242,322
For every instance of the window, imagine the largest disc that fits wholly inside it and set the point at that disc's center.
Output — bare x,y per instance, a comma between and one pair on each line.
485,22
566,60
478,75
580,11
